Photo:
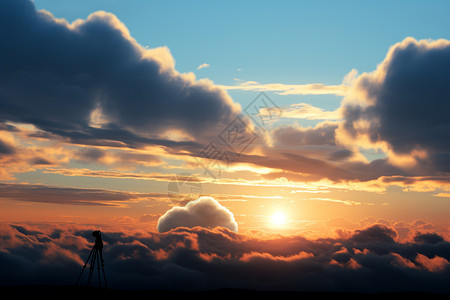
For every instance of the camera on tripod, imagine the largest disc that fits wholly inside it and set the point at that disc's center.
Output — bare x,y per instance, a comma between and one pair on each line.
95,258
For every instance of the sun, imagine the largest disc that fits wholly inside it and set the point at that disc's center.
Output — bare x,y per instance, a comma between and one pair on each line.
278,219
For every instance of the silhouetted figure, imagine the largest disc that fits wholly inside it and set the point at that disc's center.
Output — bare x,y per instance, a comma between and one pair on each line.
95,257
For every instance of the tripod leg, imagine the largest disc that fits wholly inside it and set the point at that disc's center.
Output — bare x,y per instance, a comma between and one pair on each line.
98,269
104,276
84,267
91,266
103,266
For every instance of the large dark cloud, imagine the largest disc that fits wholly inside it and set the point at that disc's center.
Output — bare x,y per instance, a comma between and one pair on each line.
404,103
368,260
91,82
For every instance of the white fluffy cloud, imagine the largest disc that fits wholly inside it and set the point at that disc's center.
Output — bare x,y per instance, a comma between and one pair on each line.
205,212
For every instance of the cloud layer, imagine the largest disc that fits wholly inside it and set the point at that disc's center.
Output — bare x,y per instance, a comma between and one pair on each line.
370,259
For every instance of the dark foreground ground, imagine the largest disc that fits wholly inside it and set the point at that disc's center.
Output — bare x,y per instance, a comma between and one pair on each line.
59,292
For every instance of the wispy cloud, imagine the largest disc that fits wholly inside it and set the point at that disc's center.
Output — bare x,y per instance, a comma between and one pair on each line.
305,111
290,89
345,202
445,195
203,66
72,196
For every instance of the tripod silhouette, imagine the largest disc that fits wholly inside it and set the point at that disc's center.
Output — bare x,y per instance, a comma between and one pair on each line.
95,258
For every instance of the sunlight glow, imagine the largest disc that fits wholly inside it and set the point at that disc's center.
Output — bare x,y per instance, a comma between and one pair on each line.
278,219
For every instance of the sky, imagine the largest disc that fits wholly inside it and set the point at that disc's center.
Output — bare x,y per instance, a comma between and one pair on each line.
203,136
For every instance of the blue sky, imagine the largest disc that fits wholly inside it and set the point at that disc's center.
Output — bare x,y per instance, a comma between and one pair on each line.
292,42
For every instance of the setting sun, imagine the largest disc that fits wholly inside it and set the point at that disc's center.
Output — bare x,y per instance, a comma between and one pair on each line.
278,219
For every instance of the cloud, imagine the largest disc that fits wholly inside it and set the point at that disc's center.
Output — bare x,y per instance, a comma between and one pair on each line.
205,212
6,148
428,238
90,154
308,112
73,196
203,66
370,259
445,195
90,82
290,89
434,264
345,202
298,89
375,233
402,106
397,112
290,135
118,174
